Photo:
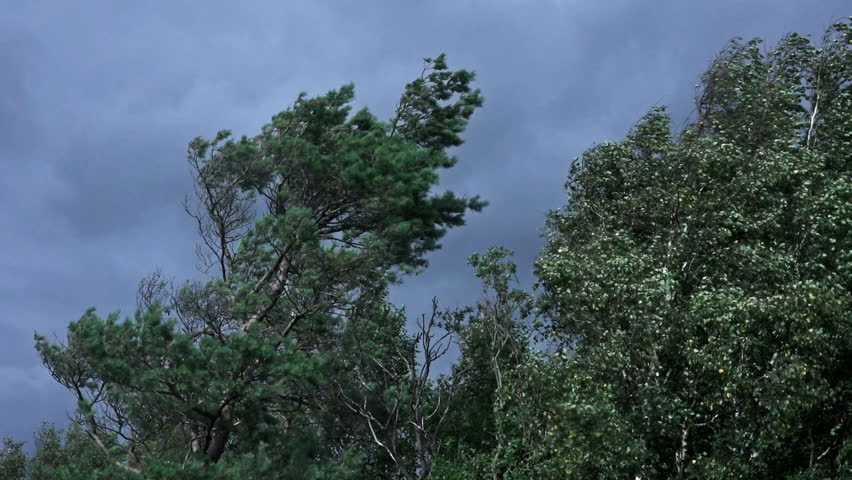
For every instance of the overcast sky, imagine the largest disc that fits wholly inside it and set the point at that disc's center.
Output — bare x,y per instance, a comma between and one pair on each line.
98,100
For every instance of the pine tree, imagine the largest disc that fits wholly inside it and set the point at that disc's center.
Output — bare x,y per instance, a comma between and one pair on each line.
216,378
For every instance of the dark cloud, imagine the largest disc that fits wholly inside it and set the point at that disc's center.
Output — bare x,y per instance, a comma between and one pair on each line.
98,102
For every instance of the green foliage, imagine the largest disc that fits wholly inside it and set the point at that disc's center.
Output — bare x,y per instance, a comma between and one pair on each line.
49,453
493,341
229,377
13,460
702,288
72,455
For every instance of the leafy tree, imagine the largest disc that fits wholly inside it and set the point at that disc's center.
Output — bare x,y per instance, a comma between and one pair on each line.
49,453
700,288
13,460
392,385
71,455
219,378
428,424
494,340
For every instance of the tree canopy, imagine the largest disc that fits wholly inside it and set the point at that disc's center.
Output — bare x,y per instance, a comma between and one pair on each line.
700,286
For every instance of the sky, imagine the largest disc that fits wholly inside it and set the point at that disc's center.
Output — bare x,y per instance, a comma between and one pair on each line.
99,99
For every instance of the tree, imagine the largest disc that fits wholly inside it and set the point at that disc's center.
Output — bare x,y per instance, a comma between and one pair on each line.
494,341
203,376
437,425
69,456
49,453
700,288
13,460
392,385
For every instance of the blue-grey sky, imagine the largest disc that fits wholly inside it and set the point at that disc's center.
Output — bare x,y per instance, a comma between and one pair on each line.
99,99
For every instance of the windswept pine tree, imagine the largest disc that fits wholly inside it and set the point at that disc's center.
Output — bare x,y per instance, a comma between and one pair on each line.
217,378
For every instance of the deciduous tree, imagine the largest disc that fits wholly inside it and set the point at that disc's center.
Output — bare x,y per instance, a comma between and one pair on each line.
701,287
